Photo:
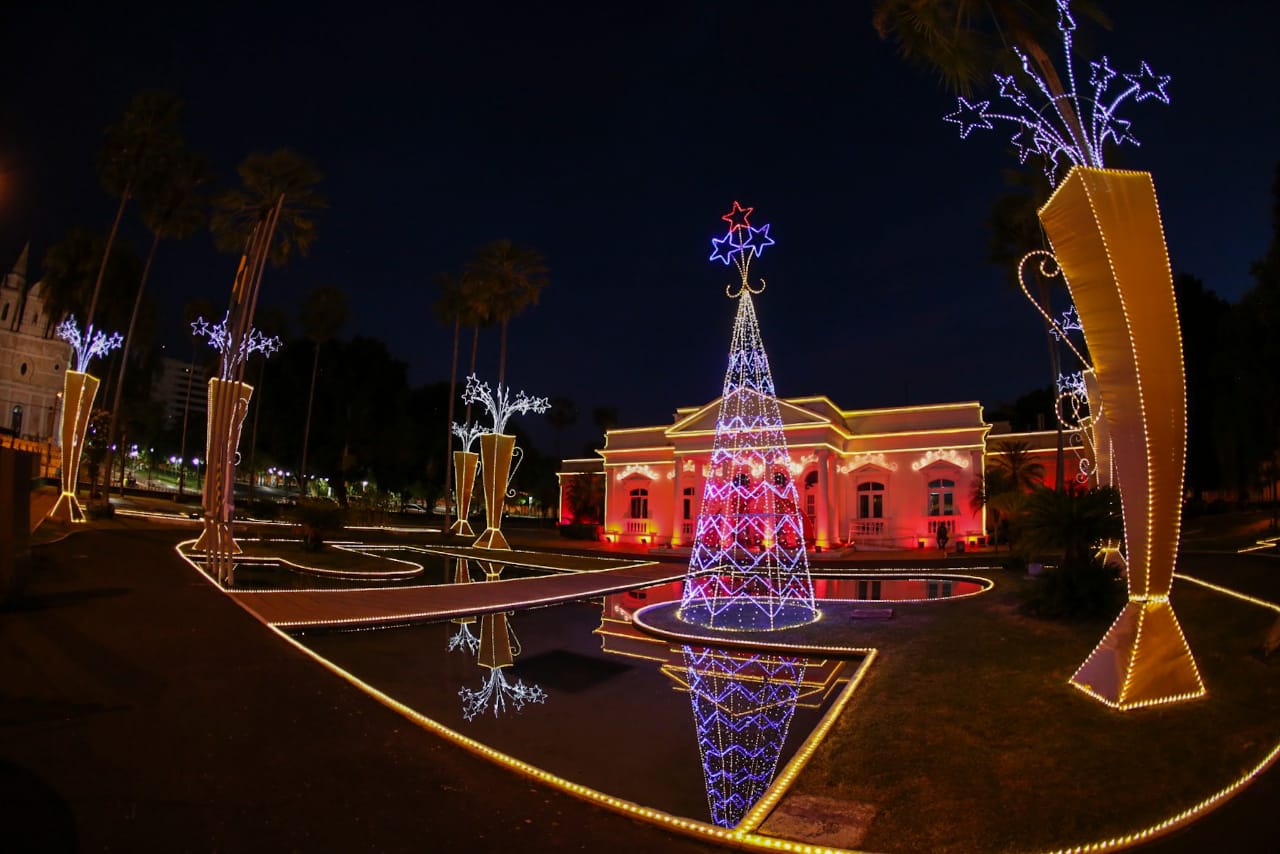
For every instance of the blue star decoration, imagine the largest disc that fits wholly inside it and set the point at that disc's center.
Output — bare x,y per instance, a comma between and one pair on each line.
1027,142
737,217
724,248
969,116
1100,74
757,239
1117,129
1149,84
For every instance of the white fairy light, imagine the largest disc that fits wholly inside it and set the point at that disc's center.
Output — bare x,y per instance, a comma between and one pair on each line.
1045,129
464,640
233,353
497,692
91,345
468,433
500,404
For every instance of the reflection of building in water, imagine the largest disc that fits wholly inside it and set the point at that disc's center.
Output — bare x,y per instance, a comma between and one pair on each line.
742,707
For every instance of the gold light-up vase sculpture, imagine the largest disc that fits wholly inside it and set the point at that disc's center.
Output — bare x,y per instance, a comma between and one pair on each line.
495,464
228,405
1105,229
464,474
78,393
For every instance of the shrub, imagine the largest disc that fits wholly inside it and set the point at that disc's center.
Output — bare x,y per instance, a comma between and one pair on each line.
264,508
317,519
580,532
1087,590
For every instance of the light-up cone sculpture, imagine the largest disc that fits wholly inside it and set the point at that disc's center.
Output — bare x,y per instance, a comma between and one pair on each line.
1105,229
78,393
228,405
743,705
463,639
496,451
1104,226
79,389
464,474
748,570
228,402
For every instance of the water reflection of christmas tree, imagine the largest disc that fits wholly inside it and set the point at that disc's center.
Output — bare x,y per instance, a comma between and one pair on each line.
743,704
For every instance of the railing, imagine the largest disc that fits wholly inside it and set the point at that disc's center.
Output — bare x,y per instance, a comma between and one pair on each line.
866,528
637,526
48,456
949,521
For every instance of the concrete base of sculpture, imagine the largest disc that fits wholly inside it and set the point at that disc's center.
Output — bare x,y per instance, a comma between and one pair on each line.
1143,660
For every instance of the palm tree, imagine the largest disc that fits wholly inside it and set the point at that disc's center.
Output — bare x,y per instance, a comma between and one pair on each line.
562,415
512,278
963,41
143,138
266,177
1075,521
68,271
323,314
1013,459
456,305
173,207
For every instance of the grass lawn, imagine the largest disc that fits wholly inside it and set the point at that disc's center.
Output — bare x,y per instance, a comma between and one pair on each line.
965,735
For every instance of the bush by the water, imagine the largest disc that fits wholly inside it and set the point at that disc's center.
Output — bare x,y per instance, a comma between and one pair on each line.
317,519
580,532
1086,590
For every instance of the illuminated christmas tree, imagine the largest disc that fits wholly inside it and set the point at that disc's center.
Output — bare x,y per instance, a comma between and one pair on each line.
748,569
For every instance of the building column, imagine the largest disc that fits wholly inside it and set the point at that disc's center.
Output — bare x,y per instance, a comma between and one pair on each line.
837,501
677,517
822,511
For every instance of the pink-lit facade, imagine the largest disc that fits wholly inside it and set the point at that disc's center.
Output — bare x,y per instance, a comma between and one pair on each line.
872,478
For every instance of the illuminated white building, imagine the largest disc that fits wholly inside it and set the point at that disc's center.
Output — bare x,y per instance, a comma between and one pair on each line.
876,478
32,360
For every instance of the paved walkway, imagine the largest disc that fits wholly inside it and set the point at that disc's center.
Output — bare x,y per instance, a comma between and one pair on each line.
380,606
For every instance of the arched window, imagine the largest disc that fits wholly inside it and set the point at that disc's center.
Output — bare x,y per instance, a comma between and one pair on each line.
688,502
942,498
4,312
871,500
639,504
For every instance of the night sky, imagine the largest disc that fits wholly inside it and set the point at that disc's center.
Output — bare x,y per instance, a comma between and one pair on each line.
613,137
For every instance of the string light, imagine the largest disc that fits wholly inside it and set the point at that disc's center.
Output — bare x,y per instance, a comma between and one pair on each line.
1071,126
234,352
468,433
499,402
946,455
748,569
743,706
91,345
629,470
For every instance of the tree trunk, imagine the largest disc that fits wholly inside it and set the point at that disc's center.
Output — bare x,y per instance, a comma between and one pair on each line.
186,409
502,354
106,253
253,437
448,446
306,432
124,363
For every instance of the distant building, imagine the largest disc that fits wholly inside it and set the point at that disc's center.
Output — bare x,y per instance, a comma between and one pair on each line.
178,382
32,361
873,478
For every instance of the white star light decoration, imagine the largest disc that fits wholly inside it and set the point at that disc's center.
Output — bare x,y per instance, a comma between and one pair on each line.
496,692
1045,130
468,433
91,345
500,405
233,354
